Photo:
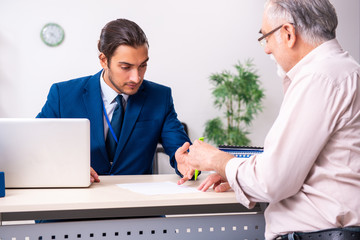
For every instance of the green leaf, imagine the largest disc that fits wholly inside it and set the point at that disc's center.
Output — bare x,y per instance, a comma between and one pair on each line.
240,97
214,131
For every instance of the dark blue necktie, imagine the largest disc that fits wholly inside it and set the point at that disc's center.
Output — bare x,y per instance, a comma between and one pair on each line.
116,124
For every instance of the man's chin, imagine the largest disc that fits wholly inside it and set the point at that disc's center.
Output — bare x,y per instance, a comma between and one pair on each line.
130,91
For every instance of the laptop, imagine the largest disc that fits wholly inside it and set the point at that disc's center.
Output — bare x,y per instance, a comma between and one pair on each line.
45,153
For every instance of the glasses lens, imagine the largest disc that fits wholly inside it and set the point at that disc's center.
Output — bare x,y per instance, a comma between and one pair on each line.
263,42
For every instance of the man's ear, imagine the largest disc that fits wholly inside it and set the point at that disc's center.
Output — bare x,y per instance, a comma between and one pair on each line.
290,35
103,60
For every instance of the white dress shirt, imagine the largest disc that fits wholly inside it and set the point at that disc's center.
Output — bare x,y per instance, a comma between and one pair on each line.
108,96
310,169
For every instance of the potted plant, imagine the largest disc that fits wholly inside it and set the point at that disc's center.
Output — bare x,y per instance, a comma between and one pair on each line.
240,96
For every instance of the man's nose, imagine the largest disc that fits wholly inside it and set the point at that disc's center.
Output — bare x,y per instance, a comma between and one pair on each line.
135,76
267,50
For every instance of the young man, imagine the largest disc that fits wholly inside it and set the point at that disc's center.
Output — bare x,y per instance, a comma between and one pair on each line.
143,110
309,172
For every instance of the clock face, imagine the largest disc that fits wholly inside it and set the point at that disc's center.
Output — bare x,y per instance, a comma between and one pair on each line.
52,34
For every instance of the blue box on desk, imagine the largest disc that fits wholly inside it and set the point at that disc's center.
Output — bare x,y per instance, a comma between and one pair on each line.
241,151
2,184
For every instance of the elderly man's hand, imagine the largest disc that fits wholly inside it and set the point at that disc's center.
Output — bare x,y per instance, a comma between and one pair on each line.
201,156
219,183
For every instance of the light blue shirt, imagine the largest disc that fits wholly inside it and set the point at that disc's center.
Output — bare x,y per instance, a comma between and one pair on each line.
108,96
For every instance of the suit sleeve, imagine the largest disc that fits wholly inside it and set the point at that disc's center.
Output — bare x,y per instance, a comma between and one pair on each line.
52,105
173,134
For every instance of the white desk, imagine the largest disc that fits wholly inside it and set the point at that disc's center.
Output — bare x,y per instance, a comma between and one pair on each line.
106,200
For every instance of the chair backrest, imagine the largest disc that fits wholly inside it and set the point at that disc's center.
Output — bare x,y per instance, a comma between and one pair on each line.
185,127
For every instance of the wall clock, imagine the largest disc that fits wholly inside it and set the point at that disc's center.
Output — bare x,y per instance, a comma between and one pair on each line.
52,34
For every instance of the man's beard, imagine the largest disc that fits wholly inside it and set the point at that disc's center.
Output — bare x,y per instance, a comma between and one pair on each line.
280,71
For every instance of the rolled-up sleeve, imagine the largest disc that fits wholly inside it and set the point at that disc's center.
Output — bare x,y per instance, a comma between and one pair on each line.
231,173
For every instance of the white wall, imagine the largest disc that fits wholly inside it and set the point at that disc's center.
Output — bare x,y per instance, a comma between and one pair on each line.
189,40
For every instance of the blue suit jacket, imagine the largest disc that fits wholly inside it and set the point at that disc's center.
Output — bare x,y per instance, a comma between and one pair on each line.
149,118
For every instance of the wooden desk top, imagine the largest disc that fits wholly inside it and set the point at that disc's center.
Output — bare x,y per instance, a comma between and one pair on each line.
106,199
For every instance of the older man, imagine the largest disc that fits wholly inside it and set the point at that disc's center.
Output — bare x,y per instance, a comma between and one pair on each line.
310,169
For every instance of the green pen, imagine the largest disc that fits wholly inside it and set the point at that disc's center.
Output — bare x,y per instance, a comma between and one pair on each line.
197,171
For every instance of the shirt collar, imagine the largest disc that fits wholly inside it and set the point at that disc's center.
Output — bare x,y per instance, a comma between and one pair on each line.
318,52
108,94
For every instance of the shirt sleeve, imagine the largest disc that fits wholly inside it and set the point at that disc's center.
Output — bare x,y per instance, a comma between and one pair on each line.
231,174
310,111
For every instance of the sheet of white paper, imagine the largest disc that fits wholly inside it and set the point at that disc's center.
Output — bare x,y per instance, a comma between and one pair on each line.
155,188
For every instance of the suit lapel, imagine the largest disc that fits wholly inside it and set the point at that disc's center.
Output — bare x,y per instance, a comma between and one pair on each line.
93,103
133,109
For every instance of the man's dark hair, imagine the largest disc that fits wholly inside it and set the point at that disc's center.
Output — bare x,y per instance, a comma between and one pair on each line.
120,32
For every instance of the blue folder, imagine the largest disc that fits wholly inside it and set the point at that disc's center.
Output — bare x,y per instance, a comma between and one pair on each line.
241,151
2,184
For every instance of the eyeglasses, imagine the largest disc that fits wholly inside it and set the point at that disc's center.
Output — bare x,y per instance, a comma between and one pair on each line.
262,40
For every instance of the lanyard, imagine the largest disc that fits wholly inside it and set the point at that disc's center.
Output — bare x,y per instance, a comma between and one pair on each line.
109,124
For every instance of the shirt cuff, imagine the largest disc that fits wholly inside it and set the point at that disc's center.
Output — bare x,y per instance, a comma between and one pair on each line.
231,170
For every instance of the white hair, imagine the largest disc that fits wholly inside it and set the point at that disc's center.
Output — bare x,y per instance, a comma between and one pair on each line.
314,20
